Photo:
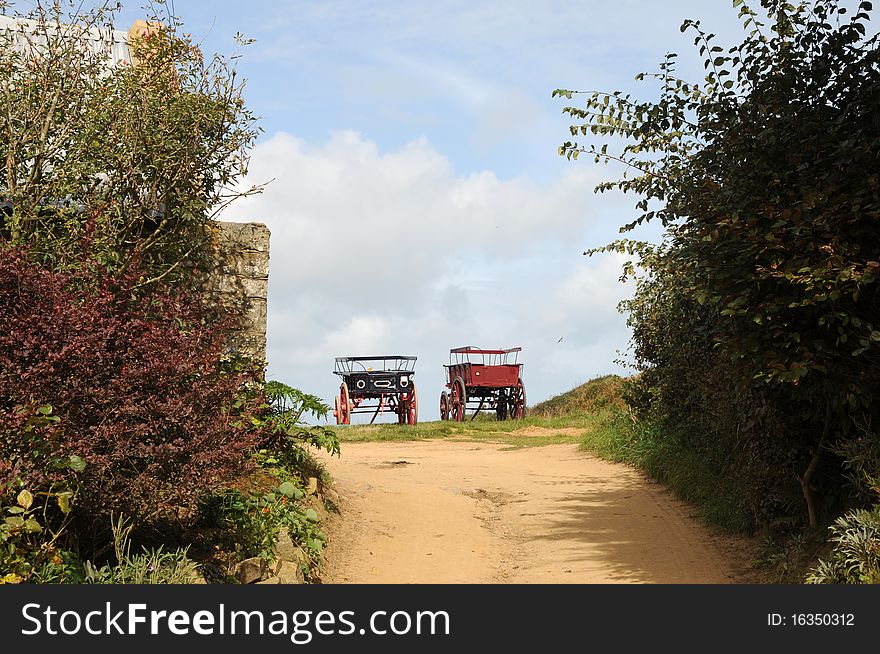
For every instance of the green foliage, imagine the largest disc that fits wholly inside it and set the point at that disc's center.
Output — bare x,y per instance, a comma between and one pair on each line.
252,522
288,405
151,566
698,476
285,448
860,453
65,567
784,560
116,164
33,521
29,554
114,174
855,558
756,326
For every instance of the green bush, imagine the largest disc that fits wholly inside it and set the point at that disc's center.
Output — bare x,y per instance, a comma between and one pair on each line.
31,523
252,522
124,163
755,322
855,558
290,436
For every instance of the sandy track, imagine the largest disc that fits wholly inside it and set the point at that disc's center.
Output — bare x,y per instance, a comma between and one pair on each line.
461,512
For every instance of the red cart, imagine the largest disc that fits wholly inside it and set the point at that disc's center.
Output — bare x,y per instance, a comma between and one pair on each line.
483,380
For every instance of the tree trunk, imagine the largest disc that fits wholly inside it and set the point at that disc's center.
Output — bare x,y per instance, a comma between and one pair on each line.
807,477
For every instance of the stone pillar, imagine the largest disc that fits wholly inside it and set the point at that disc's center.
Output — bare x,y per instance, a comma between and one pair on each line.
242,280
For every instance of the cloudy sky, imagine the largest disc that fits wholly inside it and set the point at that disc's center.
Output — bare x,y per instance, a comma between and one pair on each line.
417,202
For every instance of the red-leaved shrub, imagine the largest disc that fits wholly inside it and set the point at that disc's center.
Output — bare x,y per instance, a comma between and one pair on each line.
137,384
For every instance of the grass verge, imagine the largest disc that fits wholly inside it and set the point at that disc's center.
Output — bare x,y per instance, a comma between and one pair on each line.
530,432
692,475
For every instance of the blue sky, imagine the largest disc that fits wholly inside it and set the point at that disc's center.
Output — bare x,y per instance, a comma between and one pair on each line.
418,202
473,77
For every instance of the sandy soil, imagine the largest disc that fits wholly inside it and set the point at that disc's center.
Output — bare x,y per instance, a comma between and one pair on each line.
461,512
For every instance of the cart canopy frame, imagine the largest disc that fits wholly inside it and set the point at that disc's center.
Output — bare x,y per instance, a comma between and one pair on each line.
388,363
483,356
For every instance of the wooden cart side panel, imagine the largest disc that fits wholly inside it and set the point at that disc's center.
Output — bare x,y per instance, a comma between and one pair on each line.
493,376
475,374
457,370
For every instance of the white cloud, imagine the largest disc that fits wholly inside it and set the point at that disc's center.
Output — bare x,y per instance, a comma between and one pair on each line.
393,252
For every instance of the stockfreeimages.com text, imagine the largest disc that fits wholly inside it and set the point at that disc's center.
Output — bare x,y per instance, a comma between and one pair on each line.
300,626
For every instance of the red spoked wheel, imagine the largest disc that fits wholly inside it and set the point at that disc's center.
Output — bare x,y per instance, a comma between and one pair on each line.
518,401
444,406
459,400
343,406
408,407
401,408
399,403
412,406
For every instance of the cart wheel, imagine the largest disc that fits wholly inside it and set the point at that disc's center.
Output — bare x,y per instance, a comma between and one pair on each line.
401,408
444,406
459,400
344,411
518,401
501,406
412,406
336,411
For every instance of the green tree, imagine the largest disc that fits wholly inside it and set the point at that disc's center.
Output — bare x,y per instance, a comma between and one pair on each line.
115,159
765,175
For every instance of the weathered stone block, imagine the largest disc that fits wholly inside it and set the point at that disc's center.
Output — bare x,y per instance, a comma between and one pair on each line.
238,237
290,573
246,263
286,550
243,286
241,279
250,570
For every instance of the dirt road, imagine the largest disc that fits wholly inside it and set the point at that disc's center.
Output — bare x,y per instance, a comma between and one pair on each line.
445,511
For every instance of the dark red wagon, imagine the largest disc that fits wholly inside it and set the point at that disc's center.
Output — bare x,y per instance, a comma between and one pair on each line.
483,380
380,384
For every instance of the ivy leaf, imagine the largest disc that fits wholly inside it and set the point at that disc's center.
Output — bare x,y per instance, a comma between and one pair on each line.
287,488
76,463
25,499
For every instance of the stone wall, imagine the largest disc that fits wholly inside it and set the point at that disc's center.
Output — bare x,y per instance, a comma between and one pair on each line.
242,279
